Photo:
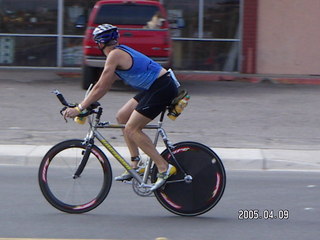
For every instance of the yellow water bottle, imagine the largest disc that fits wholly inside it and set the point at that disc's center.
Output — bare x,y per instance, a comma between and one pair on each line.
178,108
80,120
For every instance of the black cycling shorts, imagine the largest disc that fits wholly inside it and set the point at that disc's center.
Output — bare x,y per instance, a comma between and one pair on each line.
153,101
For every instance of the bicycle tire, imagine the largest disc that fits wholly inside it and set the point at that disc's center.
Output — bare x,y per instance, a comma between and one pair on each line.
206,188
69,194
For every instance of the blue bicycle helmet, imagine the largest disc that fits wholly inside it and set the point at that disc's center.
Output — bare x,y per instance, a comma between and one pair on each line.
105,33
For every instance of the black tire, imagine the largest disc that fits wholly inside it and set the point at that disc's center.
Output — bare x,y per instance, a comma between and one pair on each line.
69,194
208,180
90,75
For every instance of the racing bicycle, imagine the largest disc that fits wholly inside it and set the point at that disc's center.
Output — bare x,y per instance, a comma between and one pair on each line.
75,175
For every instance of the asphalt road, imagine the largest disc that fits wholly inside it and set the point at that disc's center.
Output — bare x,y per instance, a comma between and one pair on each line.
124,215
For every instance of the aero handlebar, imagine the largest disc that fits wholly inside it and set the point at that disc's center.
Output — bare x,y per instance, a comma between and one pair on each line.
64,102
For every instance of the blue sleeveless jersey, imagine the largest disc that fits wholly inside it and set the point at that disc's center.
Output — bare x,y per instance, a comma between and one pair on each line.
143,72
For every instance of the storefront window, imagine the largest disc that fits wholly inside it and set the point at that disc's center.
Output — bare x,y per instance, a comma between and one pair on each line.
183,17
205,33
206,55
76,14
28,51
221,19
72,52
209,30
32,16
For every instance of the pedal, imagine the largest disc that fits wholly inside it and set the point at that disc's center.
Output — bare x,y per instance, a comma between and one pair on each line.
127,181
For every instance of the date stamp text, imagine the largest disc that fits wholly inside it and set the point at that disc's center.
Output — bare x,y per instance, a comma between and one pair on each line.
255,214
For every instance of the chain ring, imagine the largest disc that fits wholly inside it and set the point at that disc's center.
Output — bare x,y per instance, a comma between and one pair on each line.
141,191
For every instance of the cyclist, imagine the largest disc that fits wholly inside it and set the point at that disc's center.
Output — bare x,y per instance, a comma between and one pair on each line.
158,89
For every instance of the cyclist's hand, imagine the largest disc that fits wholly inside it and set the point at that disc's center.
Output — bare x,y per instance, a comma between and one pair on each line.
70,113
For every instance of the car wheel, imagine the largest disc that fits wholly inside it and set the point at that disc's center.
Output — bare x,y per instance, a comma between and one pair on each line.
89,75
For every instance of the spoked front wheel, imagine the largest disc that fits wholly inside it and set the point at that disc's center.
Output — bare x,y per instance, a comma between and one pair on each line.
64,190
201,189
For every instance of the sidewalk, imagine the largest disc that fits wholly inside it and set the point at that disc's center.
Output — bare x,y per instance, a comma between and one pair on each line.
56,74
233,158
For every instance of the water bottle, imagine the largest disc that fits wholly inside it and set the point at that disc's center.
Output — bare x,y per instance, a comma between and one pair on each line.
80,120
178,108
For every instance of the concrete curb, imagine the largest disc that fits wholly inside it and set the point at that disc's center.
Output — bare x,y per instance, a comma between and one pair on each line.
233,158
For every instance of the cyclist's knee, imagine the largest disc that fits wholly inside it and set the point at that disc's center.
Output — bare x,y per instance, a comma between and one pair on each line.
130,130
120,120
125,111
122,117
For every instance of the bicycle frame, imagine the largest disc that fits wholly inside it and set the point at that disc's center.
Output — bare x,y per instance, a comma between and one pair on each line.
94,121
94,133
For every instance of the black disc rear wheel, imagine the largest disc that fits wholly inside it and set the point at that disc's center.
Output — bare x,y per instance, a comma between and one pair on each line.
207,185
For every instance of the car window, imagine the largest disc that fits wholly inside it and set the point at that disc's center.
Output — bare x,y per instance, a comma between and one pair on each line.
126,14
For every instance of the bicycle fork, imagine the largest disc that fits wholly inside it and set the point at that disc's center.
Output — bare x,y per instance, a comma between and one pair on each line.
88,142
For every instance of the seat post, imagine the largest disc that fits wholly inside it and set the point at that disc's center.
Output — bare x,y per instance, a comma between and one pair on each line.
159,128
162,116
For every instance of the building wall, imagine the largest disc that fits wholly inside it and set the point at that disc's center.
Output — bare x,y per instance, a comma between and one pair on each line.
288,37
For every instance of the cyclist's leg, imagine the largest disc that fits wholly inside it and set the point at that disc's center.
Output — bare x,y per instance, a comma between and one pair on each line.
133,131
151,103
123,116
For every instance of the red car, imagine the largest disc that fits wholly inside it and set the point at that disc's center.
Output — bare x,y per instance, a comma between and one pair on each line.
142,25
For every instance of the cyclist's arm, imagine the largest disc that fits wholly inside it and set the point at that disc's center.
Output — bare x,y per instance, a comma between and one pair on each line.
103,85
105,81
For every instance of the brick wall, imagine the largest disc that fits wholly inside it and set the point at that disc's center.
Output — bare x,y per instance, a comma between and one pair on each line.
249,39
